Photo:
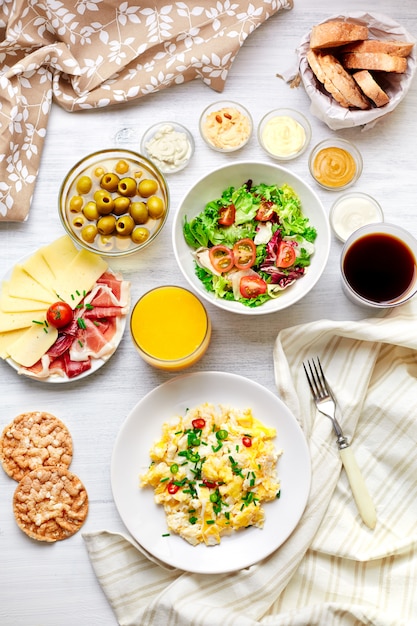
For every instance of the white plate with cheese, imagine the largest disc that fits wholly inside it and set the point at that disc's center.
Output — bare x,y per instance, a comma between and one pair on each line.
145,520
56,272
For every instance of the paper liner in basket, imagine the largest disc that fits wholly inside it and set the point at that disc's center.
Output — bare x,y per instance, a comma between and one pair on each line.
331,112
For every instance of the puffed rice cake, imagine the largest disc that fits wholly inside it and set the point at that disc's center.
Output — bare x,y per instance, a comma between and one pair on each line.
50,504
34,439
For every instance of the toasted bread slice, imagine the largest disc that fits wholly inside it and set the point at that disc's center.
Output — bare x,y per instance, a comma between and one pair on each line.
336,33
371,88
377,61
396,48
336,80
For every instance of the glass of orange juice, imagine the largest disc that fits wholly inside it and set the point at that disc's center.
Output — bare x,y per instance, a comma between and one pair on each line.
170,328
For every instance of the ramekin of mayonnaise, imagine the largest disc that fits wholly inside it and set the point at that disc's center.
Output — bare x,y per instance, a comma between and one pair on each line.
284,134
169,146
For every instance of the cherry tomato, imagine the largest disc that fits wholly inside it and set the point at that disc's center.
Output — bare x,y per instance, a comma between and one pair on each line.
244,253
265,211
286,255
227,215
198,423
172,488
221,258
59,314
252,286
247,442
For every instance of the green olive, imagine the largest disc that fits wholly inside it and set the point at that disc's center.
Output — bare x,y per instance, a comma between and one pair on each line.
140,234
139,212
147,187
109,181
122,166
84,184
78,221
90,211
125,225
89,233
104,201
156,207
76,204
99,171
121,205
106,224
127,187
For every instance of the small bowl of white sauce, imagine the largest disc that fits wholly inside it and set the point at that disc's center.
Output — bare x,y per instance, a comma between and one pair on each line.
169,146
352,211
284,134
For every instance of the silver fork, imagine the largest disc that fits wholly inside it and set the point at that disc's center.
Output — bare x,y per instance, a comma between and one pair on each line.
325,403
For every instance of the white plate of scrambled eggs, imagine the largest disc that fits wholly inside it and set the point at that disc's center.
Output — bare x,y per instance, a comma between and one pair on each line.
210,472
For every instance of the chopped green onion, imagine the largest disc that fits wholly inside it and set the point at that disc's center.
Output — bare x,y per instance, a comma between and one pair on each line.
163,480
210,521
81,323
193,520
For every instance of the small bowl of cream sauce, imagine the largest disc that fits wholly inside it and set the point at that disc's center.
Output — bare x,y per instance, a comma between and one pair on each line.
284,134
352,211
169,146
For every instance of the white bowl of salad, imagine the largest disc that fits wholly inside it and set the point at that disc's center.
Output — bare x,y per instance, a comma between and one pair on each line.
251,237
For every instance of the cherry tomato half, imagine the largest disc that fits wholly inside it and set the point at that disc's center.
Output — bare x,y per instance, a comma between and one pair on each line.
247,442
286,255
199,423
252,286
244,253
59,314
227,215
265,212
172,488
221,258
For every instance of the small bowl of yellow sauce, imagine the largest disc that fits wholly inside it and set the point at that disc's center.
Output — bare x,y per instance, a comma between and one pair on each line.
170,328
335,164
284,134
226,126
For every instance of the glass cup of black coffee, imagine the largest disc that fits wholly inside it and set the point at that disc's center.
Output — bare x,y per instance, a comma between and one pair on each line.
379,266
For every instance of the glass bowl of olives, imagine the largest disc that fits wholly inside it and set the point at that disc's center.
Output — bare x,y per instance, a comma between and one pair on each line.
114,202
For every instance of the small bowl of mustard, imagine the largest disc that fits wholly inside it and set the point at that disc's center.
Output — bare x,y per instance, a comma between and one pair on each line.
335,164
226,126
284,134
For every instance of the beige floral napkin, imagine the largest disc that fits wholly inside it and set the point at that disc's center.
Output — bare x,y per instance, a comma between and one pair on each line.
95,53
332,569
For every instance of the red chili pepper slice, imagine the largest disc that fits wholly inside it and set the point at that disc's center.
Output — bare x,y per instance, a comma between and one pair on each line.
209,484
199,423
172,488
247,442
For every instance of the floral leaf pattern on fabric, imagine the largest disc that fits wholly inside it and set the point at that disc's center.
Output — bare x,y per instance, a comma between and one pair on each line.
96,53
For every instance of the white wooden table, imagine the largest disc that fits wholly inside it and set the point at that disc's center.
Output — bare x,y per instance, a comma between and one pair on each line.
54,585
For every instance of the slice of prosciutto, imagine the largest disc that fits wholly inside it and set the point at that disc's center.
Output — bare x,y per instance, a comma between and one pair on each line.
93,334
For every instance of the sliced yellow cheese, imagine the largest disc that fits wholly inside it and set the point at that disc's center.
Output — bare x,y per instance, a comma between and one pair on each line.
22,285
58,255
7,339
80,276
38,268
13,321
31,345
10,304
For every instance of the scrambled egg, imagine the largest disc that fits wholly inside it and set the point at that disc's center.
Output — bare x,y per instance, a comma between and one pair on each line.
211,470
